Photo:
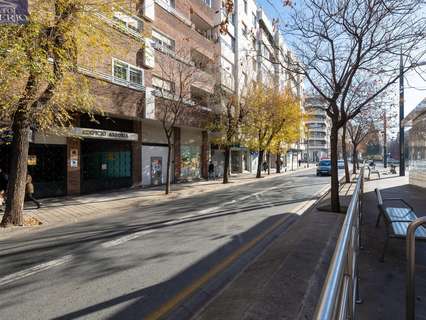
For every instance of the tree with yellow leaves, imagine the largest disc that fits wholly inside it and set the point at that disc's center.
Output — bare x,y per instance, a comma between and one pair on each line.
272,117
41,84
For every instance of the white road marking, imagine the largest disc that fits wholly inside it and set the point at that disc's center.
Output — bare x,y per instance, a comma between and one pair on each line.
124,239
33,270
208,210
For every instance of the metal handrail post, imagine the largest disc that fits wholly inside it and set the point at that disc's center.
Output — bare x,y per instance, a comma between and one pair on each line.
341,284
410,303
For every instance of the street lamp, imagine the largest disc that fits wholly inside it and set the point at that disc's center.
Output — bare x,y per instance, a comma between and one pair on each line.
401,114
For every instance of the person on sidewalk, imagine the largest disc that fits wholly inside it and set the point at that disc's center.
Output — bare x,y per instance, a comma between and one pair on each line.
29,191
3,187
265,166
211,171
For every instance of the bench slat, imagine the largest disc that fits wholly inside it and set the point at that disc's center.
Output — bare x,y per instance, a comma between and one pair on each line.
397,214
400,230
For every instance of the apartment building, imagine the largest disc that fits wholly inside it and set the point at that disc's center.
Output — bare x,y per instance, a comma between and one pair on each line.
182,35
252,49
318,130
106,153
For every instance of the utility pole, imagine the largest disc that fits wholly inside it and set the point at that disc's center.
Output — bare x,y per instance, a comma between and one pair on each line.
385,140
401,117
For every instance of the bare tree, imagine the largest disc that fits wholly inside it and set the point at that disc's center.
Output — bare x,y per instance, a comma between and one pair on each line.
176,73
359,129
341,43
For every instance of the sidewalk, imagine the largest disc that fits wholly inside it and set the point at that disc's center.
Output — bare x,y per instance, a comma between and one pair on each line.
71,209
285,281
382,285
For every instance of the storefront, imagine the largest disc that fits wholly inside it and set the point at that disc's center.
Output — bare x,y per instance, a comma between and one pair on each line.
106,154
191,142
47,160
154,153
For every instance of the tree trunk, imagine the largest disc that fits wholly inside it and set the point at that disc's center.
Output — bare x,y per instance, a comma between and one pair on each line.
278,162
345,156
18,171
226,164
268,161
169,154
259,164
354,158
335,201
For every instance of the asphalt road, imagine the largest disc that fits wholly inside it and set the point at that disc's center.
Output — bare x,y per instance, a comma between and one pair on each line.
133,265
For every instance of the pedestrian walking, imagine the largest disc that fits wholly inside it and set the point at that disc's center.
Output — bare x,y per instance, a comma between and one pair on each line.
3,187
211,171
265,166
29,191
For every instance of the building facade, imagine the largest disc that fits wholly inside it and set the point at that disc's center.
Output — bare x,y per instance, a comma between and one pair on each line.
317,130
416,140
253,49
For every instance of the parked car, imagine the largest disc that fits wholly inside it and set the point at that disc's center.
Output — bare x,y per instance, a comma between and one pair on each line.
324,168
341,164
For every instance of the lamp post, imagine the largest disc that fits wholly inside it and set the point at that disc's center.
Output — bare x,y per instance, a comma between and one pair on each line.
401,117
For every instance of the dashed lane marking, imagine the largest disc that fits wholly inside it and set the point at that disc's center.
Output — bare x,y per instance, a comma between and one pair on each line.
124,239
33,270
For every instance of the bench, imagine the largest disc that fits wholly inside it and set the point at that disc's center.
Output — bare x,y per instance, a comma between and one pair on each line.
370,171
396,220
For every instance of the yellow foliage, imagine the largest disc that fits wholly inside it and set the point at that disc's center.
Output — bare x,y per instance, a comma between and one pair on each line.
39,61
274,118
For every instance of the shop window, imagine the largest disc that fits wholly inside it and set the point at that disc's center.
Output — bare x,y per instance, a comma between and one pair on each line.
127,74
190,156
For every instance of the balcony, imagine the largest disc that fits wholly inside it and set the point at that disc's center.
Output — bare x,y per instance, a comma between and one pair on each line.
166,6
126,28
202,26
203,8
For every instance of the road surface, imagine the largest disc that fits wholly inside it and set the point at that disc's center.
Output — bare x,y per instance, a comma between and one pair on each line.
142,264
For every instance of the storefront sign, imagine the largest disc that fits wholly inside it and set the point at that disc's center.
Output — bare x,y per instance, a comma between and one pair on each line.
13,11
32,160
104,134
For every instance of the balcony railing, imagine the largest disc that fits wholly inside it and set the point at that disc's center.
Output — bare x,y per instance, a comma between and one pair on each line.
119,26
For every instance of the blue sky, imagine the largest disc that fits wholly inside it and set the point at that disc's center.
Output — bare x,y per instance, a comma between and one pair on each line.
415,86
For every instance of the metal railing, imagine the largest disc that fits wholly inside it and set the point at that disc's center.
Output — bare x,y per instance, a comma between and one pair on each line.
410,304
340,291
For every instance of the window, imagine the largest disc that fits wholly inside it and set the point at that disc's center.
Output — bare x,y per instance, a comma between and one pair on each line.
233,19
244,29
162,84
254,43
232,44
254,19
163,41
208,3
127,74
245,6
128,21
